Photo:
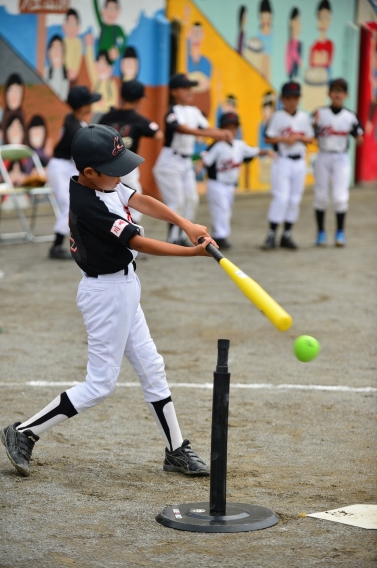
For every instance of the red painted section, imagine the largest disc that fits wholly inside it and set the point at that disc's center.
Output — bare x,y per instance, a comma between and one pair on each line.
366,154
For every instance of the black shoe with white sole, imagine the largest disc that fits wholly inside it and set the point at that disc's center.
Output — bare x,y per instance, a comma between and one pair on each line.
59,253
185,460
269,243
19,446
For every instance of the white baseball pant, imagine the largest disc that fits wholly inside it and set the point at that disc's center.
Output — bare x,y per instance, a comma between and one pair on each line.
332,170
288,184
220,198
59,172
132,180
175,178
116,326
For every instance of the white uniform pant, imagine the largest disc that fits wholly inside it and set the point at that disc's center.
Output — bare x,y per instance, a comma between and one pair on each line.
176,181
116,326
332,170
288,184
132,180
220,198
59,172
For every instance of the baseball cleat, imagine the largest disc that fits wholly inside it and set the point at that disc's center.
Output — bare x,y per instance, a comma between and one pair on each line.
269,243
59,253
185,460
19,446
321,239
287,242
340,239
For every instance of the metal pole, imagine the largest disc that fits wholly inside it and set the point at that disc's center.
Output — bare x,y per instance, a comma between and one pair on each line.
219,439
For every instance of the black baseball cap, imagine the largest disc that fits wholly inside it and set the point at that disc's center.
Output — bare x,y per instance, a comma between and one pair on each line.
132,90
229,118
181,81
291,89
101,147
80,96
339,83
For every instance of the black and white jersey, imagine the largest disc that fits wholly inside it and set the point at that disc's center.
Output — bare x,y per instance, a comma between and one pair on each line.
283,124
71,125
223,160
101,227
186,115
131,126
334,126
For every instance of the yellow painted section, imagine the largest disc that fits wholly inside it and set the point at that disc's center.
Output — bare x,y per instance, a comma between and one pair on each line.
231,74
259,297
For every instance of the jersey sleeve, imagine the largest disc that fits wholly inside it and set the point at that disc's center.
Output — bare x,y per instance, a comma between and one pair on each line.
202,121
148,128
357,129
271,129
250,152
209,156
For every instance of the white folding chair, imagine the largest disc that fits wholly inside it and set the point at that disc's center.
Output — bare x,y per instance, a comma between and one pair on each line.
13,153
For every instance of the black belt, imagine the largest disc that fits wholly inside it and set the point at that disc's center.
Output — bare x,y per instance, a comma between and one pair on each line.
294,157
182,155
125,271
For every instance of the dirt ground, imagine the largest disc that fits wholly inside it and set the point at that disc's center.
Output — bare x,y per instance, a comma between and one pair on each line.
97,482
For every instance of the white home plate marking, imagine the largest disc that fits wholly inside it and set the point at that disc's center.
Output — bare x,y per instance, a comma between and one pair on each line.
256,386
364,516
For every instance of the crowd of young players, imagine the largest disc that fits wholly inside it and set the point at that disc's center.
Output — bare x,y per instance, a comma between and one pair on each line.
288,131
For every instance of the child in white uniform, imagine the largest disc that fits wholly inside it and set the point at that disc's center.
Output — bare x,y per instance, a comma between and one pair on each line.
173,171
104,244
333,126
289,130
223,161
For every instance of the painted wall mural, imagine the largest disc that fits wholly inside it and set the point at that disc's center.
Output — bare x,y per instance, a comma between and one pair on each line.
97,43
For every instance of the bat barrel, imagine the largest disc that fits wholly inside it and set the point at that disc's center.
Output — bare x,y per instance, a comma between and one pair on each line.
219,438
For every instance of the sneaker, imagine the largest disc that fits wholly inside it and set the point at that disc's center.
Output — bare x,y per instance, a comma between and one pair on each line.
185,460
287,242
59,253
224,244
269,243
321,239
340,239
19,446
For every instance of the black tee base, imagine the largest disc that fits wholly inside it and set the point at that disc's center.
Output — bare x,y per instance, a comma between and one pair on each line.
196,517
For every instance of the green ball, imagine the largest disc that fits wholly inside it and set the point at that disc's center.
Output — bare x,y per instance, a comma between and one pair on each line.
306,348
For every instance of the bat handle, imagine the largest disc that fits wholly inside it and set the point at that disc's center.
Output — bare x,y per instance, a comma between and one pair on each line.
213,251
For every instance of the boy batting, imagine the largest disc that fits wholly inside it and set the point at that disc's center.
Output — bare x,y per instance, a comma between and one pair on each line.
104,243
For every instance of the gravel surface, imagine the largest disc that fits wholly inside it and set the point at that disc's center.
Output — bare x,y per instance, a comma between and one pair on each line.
96,480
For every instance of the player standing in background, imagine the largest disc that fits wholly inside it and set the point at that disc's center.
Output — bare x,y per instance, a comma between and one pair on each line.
61,167
289,130
173,170
104,244
131,125
223,161
333,125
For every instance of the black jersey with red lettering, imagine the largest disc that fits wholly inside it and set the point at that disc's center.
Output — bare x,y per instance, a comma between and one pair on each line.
131,126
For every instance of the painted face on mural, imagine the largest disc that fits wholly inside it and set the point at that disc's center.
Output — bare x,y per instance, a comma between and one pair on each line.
71,27
265,22
295,25
14,96
37,135
196,35
324,17
15,132
56,54
103,68
129,68
110,12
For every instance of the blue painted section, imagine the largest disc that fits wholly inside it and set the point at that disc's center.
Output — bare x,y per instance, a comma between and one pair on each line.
154,54
20,31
